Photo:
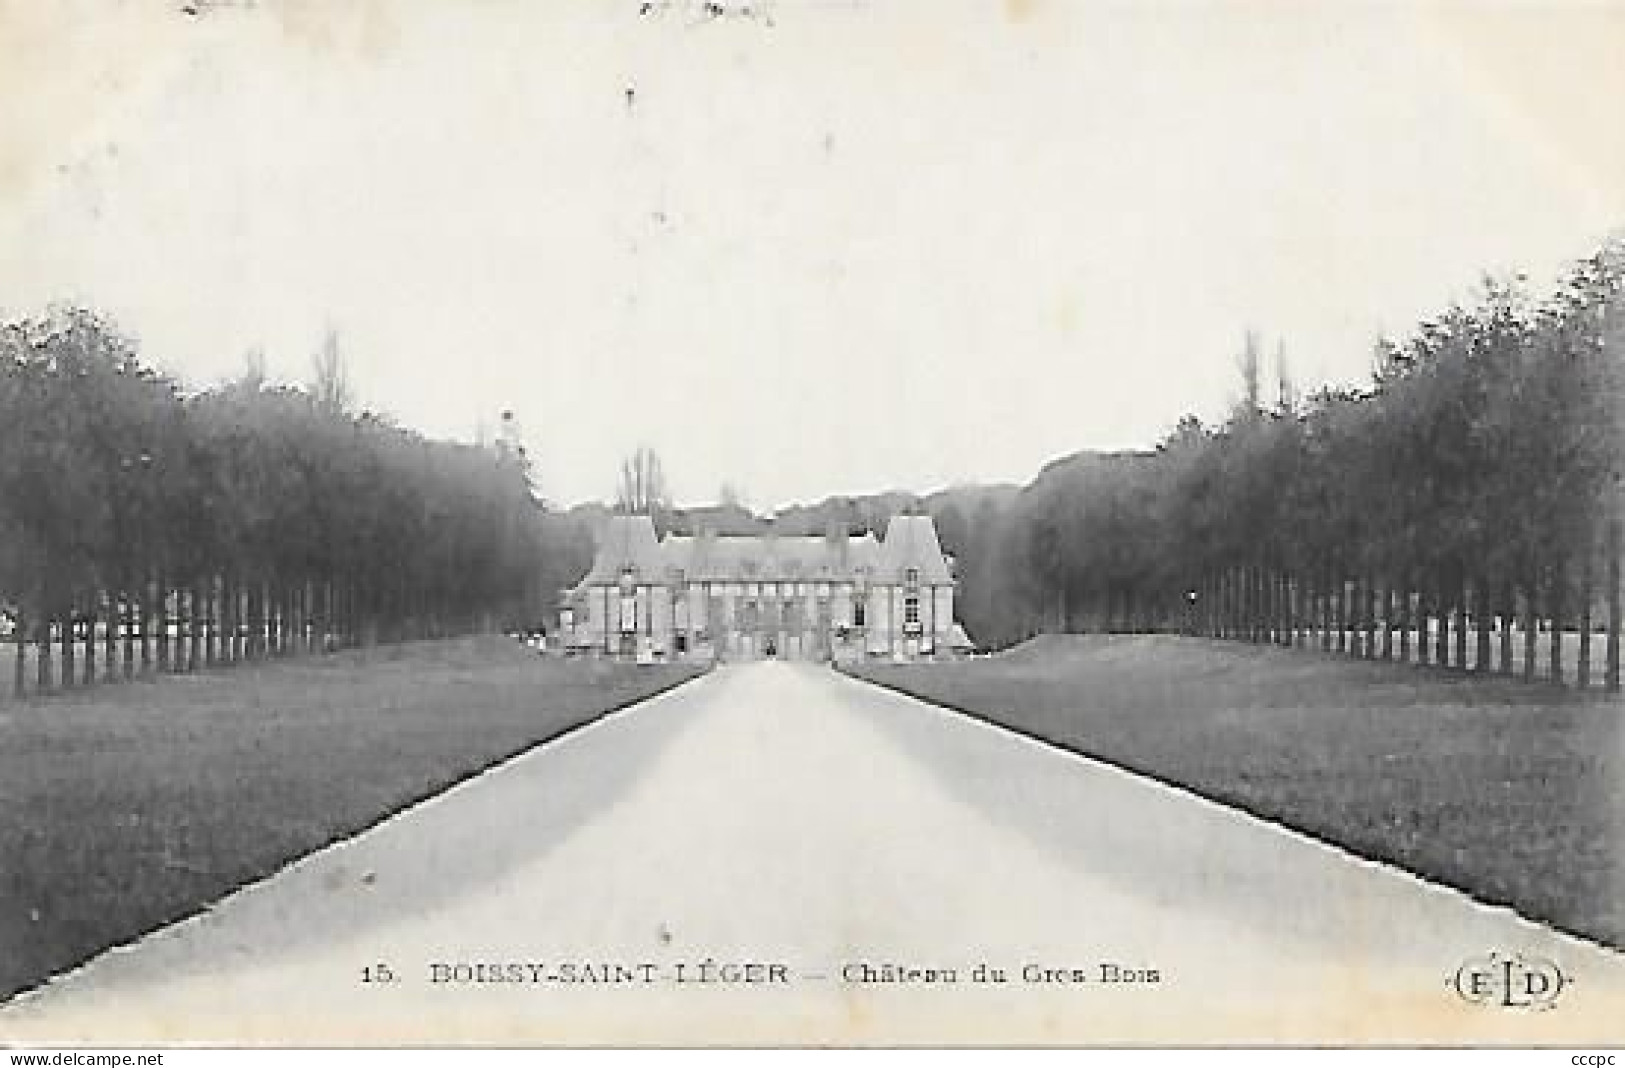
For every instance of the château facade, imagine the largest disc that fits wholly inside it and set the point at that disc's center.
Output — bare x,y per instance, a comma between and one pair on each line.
708,596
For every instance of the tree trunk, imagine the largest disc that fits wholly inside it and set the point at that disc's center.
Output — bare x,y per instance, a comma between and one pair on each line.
147,623
110,639
163,622
129,617
1406,619
259,611
1283,610
42,649
1233,604
90,642
211,610
1616,619
1356,615
194,629
1370,603
19,652
329,625
1461,621
276,602
1389,609
1556,606
1244,605
1249,601
1531,627
239,620
1482,616
1266,605
1340,615
70,674
1509,613
1261,605
230,623
247,640
270,609
1458,623
1424,621
1323,615
1441,640
1588,577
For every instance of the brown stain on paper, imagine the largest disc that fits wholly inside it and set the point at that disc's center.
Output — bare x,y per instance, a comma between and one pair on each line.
71,70
1020,10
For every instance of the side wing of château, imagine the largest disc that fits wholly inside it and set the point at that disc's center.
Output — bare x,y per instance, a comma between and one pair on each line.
709,596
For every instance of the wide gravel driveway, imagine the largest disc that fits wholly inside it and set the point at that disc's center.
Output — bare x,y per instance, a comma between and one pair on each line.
834,837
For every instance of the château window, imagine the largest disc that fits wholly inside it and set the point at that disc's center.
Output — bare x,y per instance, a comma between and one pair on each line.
859,610
912,576
911,611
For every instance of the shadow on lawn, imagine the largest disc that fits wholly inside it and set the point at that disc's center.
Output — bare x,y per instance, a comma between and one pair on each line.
418,855
1165,843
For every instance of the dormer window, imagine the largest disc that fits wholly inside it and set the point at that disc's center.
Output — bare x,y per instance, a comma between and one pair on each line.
911,577
629,577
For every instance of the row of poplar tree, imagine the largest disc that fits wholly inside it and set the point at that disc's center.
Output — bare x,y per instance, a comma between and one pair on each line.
1476,481
144,527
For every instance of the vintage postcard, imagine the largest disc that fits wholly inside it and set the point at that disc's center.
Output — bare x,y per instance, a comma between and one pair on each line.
811,523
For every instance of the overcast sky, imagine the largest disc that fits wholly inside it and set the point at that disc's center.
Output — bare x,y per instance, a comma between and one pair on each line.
866,246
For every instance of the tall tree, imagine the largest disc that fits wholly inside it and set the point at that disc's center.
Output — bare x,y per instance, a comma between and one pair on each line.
642,488
330,383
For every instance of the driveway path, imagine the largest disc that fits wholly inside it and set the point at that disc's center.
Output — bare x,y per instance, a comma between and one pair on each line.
785,816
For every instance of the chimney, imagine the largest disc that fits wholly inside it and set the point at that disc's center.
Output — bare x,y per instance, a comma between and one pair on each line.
836,536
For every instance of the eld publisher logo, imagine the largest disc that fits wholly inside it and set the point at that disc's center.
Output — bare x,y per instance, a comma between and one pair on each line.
1510,981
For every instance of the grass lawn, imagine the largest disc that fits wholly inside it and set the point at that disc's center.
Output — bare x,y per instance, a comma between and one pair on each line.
1514,793
126,807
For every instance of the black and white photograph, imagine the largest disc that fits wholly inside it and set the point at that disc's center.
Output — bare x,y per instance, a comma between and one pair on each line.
812,523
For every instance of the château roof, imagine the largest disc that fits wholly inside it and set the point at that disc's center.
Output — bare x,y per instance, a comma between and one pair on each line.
911,541
770,557
629,541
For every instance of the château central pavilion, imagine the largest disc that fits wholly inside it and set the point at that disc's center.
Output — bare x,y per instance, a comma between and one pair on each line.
704,597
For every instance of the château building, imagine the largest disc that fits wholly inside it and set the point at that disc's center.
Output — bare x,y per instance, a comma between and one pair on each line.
708,596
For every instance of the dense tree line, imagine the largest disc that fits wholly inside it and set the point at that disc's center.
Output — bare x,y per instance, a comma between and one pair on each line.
143,526
1476,478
